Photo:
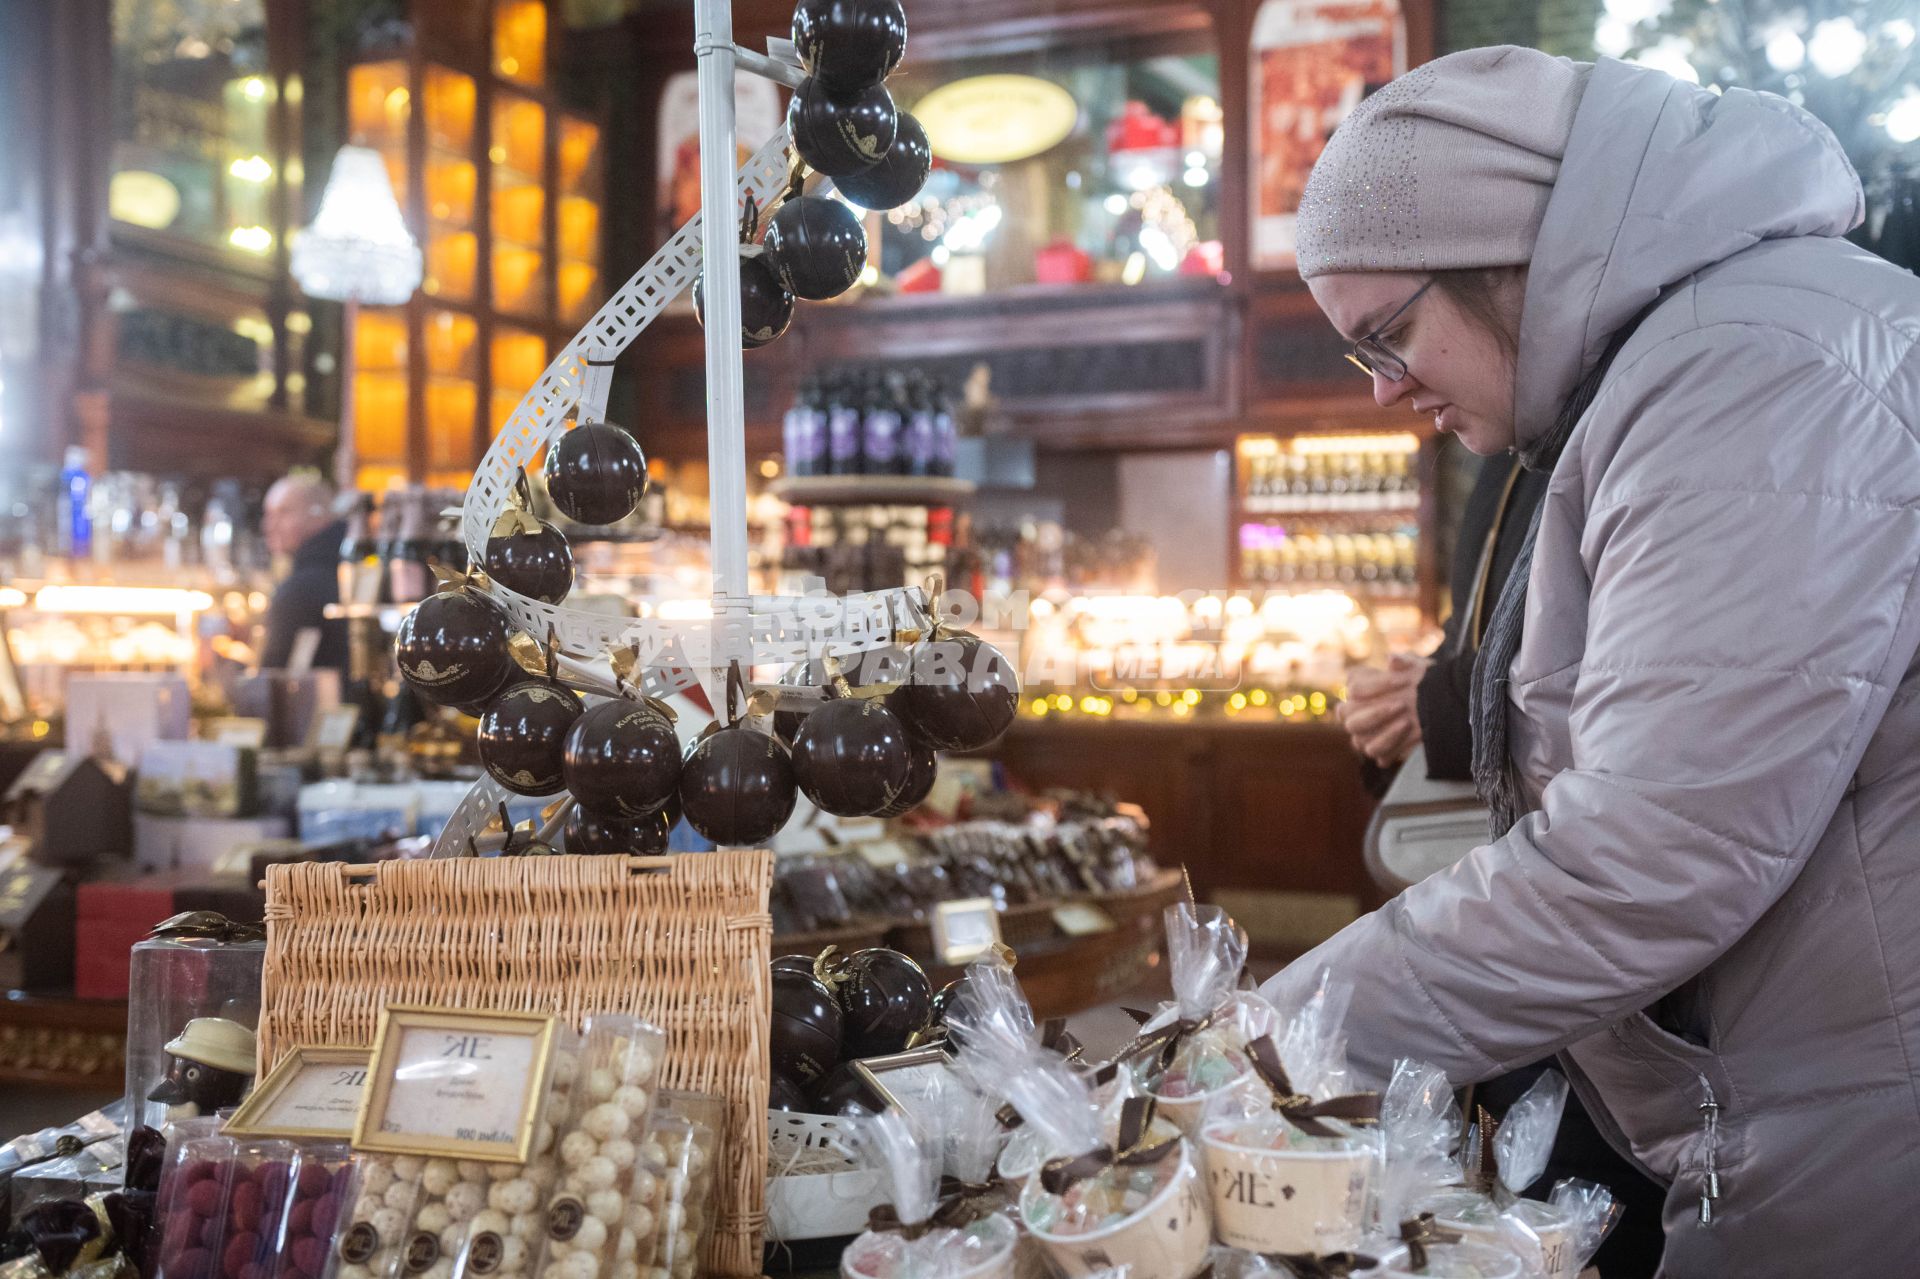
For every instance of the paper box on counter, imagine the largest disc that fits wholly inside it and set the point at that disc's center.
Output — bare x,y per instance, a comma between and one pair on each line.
36,928
117,912
196,779
130,709
200,843
73,810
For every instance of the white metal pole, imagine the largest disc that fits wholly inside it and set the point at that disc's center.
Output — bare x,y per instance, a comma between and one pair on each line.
726,411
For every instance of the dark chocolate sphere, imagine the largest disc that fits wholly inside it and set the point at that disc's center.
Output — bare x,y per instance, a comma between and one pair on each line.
925,768
886,998
852,757
623,760
586,833
737,787
963,695
452,649
843,1087
766,308
850,44
539,565
899,175
784,1094
889,664
523,736
596,473
805,1036
816,247
842,134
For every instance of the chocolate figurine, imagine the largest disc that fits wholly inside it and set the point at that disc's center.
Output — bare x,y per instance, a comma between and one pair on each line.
209,1065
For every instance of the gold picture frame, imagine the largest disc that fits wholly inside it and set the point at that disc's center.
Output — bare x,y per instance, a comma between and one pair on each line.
964,930
308,1082
455,1107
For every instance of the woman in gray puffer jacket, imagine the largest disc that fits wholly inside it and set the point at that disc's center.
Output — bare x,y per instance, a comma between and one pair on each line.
1697,709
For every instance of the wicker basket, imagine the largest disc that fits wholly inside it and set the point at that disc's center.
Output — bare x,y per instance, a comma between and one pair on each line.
681,941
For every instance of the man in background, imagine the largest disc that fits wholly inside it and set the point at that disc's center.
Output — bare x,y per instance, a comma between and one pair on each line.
299,523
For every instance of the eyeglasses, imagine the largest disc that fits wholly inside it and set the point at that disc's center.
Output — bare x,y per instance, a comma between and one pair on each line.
1372,356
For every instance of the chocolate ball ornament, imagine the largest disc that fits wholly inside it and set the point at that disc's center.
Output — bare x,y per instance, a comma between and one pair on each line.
596,473
784,1094
885,997
622,760
963,694
899,175
842,134
452,648
851,757
925,768
594,836
886,665
816,247
805,1035
766,308
523,736
850,44
531,557
737,787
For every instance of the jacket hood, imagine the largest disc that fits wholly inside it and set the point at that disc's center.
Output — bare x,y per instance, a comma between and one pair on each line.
1661,179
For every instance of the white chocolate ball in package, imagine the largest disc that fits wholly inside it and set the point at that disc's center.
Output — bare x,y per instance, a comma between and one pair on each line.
389,1223
620,1152
659,1272
441,1269
502,1172
696,1159
490,1221
542,1174
351,1271
633,1100
366,1205
432,1218
473,1170
516,1196
375,1177
598,1173
577,1265
544,1140
451,1237
640,1065
399,1196
640,1220
605,1122
628,1246
644,1187
627,1268
673,1218
677,1182
576,1148
600,1085
529,1226
465,1199
592,1236
407,1167
514,1254
606,1206
650,1152
566,1068
439,1177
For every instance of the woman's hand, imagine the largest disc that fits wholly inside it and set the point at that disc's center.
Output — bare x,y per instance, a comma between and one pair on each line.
1381,713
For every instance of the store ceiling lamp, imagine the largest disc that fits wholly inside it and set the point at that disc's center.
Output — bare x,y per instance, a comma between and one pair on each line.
996,119
358,248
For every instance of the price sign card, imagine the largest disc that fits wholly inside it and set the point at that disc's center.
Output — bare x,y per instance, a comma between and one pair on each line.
464,1085
312,1092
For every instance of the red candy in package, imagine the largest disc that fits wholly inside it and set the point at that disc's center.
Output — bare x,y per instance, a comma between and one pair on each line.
246,1208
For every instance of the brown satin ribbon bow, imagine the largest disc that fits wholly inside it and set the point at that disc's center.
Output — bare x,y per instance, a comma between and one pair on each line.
960,1204
1159,1047
1302,1111
1057,1176
1417,1233
1313,1265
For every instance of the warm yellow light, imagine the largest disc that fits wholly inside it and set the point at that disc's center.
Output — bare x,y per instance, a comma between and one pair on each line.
11,597
254,168
254,239
1258,697
1394,442
41,728
1191,697
1061,702
151,601
253,89
1129,695
142,198
769,469
509,66
397,99
1039,706
996,119
1318,703
1237,702
1163,698
1089,704
1259,446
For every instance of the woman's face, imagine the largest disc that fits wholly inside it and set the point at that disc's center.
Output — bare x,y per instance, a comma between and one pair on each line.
1458,369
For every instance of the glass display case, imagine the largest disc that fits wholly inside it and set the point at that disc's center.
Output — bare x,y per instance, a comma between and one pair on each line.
503,186
1093,162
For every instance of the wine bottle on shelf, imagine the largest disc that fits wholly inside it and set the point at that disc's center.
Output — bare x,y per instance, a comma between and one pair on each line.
880,428
790,433
354,546
409,577
843,428
945,433
921,429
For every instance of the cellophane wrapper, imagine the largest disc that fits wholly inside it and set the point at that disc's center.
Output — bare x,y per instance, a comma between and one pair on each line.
1419,1123
907,1164
1558,1238
1206,954
1525,1140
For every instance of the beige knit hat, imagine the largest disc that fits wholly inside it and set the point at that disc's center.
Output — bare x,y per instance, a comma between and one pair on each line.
1450,166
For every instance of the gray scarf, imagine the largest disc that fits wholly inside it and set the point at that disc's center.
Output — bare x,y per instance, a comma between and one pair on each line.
1494,774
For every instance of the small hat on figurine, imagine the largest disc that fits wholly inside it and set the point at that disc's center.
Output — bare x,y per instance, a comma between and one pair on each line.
216,1042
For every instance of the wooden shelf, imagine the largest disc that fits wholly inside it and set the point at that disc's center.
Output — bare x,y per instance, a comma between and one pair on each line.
874,490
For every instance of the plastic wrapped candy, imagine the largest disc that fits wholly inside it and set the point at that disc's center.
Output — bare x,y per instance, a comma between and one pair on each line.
990,1013
1419,1123
1192,1050
599,1208
1553,1239
1289,1171
679,1157
912,1237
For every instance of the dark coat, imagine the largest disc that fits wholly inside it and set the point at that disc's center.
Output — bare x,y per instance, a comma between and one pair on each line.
301,600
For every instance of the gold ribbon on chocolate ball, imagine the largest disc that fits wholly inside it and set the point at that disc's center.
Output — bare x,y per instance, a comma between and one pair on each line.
1057,1176
1302,1111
